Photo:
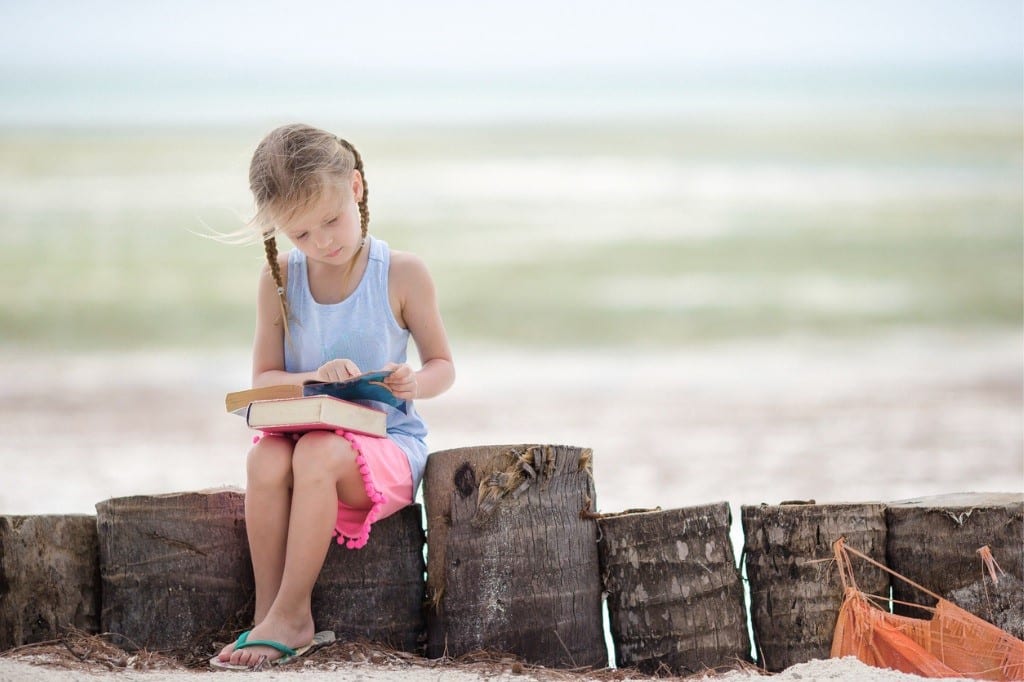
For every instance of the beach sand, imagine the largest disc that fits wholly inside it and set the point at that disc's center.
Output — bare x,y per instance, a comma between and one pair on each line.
845,669
880,418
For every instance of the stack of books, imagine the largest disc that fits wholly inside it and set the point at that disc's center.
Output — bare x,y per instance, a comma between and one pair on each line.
291,408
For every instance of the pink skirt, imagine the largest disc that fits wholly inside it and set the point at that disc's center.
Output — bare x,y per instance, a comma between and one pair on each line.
387,479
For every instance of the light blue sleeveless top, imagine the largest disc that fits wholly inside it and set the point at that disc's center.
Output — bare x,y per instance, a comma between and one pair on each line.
361,328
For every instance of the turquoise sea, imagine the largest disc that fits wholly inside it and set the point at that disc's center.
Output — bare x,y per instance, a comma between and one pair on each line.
565,209
129,96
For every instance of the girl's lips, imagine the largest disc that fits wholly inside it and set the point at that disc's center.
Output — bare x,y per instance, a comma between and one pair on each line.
332,254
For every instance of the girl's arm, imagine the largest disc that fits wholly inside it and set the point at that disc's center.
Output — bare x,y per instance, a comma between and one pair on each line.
268,344
413,290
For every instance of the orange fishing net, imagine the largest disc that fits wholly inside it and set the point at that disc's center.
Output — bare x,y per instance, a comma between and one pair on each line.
952,643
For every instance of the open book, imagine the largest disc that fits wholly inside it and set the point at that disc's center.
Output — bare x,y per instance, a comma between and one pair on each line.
367,386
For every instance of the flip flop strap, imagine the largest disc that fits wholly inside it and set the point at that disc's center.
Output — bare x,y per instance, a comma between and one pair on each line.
286,650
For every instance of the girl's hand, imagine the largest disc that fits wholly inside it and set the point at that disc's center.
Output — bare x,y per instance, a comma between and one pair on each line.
401,382
337,370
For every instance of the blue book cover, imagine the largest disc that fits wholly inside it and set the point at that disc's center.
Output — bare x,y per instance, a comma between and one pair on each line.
368,386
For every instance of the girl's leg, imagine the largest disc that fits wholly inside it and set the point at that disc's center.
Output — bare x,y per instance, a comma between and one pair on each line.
324,470
267,508
267,505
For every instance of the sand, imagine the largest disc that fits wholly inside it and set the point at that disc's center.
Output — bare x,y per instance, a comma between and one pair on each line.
846,669
905,415
834,420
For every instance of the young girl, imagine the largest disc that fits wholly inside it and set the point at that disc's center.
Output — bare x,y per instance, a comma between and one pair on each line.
339,304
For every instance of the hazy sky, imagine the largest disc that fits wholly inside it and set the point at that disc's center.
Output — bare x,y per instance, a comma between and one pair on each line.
477,36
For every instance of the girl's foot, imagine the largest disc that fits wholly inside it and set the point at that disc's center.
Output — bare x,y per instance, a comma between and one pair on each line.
225,653
290,634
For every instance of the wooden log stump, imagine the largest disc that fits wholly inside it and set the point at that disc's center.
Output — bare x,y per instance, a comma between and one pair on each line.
675,598
175,569
377,592
795,592
934,542
511,557
49,577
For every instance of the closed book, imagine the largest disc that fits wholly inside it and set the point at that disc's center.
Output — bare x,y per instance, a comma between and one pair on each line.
315,413
238,401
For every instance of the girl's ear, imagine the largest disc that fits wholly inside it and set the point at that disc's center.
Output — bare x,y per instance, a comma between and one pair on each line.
357,185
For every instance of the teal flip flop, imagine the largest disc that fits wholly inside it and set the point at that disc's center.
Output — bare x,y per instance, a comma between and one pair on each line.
290,654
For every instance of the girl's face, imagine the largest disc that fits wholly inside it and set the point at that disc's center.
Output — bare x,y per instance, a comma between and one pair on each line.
328,230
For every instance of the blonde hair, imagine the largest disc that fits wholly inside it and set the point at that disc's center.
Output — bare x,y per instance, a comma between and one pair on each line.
289,171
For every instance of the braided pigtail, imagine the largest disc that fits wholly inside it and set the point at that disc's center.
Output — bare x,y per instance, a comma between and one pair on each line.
270,246
364,210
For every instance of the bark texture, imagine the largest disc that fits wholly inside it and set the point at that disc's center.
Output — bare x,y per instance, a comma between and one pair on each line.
934,542
49,577
795,592
1001,603
175,569
376,592
511,559
675,598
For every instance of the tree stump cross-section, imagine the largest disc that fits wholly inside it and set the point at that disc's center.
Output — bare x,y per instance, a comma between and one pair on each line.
934,541
49,577
512,560
795,592
175,569
675,598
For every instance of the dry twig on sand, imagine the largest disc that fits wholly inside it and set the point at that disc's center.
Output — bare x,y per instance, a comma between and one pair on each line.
79,651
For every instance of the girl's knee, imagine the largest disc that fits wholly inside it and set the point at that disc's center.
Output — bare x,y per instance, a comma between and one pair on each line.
270,461
322,452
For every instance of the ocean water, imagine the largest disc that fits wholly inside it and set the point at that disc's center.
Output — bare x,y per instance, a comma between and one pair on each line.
130,96
554,210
